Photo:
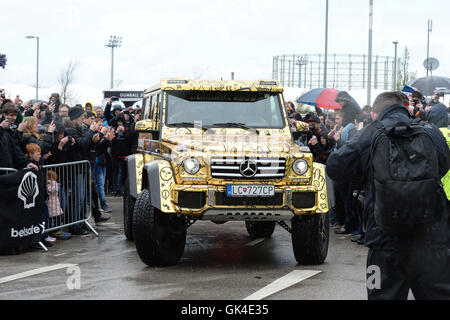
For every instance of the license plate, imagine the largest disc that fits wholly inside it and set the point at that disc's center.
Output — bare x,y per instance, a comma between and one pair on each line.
250,190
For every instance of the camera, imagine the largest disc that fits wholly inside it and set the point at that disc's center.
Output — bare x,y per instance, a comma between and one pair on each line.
2,93
312,127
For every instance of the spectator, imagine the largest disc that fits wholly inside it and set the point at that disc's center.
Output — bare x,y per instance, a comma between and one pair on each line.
437,115
87,123
34,153
290,108
31,135
99,113
109,113
11,156
435,99
88,107
78,151
63,111
54,102
418,262
123,125
106,136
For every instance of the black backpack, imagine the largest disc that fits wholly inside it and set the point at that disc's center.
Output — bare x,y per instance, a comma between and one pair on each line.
406,182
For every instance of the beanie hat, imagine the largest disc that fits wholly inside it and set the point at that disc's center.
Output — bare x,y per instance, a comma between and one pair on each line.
75,112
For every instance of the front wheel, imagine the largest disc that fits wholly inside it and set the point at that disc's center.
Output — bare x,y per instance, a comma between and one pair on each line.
260,229
159,237
310,238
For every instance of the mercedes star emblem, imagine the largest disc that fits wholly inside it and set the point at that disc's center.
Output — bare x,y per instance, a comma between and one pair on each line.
248,168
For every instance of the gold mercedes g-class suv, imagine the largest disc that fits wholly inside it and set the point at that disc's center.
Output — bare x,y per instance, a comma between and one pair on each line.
221,151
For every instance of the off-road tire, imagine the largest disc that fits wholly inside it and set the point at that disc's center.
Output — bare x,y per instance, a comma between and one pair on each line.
310,238
128,208
260,229
159,237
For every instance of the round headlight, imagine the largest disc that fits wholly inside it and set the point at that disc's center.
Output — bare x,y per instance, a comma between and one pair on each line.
300,167
191,165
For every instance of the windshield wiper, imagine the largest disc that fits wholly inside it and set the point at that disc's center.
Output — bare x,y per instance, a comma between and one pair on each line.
235,125
185,124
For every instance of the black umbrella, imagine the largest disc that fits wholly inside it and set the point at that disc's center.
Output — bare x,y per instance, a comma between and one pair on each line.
427,85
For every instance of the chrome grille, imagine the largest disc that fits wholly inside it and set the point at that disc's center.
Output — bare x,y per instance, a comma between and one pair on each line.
266,168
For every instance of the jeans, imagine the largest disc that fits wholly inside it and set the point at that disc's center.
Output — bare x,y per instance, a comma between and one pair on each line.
118,173
78,198
99,180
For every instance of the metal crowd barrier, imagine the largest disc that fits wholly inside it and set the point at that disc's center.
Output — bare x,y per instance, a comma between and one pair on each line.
68,201
7,170
69,194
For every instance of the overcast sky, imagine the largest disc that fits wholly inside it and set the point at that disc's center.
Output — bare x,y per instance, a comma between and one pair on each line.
206,38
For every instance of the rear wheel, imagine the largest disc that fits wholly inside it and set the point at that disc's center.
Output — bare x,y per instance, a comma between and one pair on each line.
310,238
159,237
260,229
128,208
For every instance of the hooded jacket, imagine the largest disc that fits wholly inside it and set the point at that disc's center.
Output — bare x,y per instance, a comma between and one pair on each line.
438,115
353,159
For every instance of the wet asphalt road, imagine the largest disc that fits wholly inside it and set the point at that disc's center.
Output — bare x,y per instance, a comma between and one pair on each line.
220,262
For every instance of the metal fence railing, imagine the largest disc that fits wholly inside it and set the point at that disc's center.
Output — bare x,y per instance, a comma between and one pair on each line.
68,195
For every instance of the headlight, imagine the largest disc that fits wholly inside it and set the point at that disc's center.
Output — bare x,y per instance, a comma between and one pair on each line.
191,165
300,167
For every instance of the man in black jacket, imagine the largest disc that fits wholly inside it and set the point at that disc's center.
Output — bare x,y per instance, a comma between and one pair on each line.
396,264
11,156
87,123
78,150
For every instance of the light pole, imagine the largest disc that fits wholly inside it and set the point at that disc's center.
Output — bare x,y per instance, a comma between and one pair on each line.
37,64
302,61
369,70
114,42
325,69
395,67
430,29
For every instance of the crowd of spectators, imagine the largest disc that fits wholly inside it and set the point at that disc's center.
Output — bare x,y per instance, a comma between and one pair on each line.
37,133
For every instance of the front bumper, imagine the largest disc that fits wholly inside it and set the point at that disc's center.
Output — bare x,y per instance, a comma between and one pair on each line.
212,203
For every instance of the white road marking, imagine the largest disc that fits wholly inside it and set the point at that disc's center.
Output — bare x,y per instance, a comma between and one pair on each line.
59,254
255,242
35,272
282,283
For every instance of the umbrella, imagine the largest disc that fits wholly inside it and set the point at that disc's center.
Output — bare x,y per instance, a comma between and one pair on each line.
320,97
408,89
326,98
427,85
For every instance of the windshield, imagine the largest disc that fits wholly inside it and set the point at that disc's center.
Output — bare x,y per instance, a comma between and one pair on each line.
224,109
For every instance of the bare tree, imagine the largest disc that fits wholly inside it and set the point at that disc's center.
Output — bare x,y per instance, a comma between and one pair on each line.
65,79
404,75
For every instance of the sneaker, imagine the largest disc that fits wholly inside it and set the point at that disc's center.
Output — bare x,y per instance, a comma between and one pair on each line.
61,235
50,239
79,232
106,209
102,218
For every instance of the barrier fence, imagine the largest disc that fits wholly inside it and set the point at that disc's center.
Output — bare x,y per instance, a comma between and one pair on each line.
68,195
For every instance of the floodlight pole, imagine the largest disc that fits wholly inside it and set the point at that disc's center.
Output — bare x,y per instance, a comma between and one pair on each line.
369,70
430,29
325,69
395,67
114,42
